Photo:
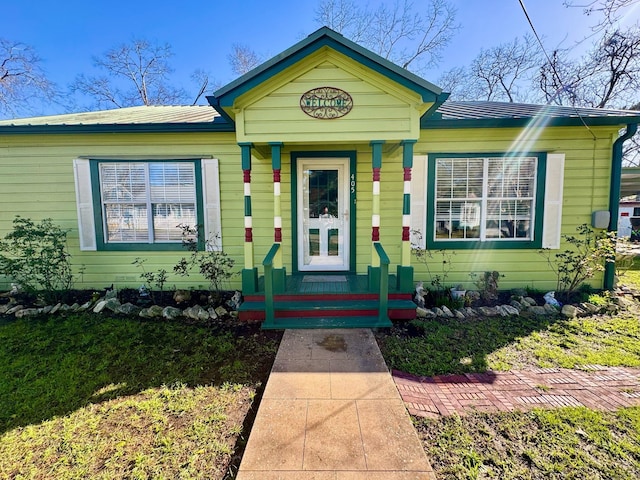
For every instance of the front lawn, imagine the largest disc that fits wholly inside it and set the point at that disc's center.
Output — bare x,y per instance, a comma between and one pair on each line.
563,443
96,397
436,347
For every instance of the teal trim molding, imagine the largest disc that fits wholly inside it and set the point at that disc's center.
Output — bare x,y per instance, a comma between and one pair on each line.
404,279
614,196
435,123
103,245
215,126
468,244
249,281
245,150
376,153
407,153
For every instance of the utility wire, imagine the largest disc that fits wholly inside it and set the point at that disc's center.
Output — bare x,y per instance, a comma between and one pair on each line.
553,67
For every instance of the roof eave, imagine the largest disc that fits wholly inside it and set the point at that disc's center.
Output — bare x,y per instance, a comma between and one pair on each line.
434,123
118,128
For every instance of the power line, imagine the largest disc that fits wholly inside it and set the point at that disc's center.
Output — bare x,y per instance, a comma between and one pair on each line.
553,67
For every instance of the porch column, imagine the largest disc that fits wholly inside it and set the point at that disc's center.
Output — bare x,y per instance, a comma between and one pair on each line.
250,272
405,270
278,269
376,161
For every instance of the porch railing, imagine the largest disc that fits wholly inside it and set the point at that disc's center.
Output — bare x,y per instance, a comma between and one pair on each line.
383,306
269,304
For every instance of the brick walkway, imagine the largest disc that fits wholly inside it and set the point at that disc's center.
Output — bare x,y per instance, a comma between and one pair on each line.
597,387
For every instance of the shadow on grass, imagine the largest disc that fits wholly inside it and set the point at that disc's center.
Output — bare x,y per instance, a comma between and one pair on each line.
451,346
52,366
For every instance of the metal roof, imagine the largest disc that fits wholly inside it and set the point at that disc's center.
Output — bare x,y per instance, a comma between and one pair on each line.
506,114
125,116
495,110
206,118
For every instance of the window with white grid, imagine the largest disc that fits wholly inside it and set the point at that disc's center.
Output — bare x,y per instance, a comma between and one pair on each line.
485,198
144,202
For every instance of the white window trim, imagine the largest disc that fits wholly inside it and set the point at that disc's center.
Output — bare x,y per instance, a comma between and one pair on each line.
553,197
84,204
419,200
211,201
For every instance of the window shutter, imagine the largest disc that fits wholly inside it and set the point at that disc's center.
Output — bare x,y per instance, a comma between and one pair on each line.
419,199
211,201
84,204
554,183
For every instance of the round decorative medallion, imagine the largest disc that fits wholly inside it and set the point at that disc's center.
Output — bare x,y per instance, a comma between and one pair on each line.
326,103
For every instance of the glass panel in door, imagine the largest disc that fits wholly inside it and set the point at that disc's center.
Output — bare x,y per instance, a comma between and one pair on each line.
323,215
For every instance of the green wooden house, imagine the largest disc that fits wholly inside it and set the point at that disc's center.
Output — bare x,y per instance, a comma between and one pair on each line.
312,172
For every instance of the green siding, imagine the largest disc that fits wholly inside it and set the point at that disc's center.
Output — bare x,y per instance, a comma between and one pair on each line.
381,109
36,181
586,187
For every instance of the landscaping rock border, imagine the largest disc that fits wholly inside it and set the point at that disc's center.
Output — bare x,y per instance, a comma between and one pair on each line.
519,305
109,304
527,306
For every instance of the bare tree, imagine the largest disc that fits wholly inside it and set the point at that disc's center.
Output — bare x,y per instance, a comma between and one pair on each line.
136,73
606,76
202,79
611,11
501,73
22,78
616,66
411,37
242,59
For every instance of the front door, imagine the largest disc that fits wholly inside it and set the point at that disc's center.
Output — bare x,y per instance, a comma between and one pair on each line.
323,200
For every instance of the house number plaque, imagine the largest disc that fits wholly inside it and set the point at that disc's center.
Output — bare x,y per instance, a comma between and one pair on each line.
326,103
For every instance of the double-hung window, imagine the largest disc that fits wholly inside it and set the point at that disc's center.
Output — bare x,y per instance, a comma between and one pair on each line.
485,200
144,202
141,205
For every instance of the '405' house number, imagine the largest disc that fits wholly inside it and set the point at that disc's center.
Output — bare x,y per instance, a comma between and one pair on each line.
326,103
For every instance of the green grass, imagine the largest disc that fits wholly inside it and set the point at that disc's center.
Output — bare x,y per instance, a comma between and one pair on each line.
631,278
95,397
437,347
565,443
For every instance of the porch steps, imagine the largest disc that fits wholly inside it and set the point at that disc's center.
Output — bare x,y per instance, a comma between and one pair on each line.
325,311
327,322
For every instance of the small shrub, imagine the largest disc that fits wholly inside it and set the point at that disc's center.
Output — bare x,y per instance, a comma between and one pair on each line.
35,256
212,262
602,299
438,280
587,254
158,278
487,284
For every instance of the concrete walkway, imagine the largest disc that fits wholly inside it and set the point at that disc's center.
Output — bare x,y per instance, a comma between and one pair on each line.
331,411
596,387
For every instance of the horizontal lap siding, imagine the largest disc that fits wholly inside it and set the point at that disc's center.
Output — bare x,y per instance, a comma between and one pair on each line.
586,188
375,113
36,181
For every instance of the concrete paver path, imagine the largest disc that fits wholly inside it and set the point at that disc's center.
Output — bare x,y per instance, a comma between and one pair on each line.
597,387
331,411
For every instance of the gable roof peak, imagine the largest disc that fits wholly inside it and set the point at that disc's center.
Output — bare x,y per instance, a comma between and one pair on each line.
225,96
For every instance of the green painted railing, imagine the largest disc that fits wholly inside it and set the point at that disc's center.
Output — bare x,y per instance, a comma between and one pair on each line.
269,304
383,306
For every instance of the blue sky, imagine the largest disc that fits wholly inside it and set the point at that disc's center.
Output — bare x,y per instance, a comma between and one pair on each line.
67,33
